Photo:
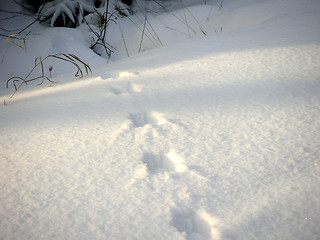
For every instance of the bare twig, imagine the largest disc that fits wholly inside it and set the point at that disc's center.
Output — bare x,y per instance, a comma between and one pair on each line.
152,41
221,5
17,13
185,18
204,33
144,26
7,18
124,42
22,5
156,38
100,35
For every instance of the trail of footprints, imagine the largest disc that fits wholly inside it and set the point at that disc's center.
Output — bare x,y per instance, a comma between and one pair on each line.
193,224
163,161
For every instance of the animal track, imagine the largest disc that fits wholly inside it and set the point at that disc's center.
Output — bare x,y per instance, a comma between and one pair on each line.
133,88
128,88
126,74
139,119
116,91
169,162
142,119
197,225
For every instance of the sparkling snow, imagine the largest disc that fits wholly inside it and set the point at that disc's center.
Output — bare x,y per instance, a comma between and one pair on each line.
212,136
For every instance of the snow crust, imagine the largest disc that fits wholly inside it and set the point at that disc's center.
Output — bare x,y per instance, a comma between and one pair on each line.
210,136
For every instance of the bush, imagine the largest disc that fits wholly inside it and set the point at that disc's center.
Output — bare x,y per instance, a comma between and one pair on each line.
70,13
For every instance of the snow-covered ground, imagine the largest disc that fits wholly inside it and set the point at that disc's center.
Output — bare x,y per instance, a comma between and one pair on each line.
204,136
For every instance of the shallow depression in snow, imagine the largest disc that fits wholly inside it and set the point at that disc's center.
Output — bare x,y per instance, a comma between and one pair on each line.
215,136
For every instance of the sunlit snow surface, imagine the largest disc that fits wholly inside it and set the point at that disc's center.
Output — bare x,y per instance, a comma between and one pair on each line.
217,137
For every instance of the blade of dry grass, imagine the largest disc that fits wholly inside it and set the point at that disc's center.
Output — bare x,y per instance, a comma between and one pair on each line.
69,58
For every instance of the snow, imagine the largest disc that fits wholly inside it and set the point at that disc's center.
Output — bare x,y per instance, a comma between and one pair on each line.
210,136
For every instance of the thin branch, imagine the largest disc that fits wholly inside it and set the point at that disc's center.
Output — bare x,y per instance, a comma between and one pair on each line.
221,5
10,36
204,33
105,18
156,38
22,5
9,30
124,42
141,31
144,26
18,13
7,18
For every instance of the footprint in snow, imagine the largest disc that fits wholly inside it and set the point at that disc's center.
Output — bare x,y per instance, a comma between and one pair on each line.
170,162
127,88
194,224
142,119
115,90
